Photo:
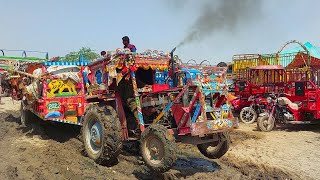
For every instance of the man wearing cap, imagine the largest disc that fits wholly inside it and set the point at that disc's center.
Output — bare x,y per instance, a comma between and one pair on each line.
126,43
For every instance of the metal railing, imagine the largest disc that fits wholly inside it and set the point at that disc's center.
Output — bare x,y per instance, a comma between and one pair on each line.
24,54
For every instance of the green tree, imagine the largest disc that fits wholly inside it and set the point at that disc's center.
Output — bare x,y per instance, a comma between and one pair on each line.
87,53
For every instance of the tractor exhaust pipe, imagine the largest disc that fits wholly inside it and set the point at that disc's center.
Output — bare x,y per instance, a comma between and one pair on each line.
173,67
173,50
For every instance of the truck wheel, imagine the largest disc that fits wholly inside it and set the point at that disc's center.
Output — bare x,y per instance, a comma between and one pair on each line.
263,124
101,133
26,116
248,115
158,148
217,149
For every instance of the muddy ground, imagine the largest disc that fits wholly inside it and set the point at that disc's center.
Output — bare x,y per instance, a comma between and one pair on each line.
54,152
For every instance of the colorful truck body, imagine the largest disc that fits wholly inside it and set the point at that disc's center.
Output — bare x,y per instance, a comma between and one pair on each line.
170,107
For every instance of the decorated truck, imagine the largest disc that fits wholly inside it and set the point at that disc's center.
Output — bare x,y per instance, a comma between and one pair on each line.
128,96
219,71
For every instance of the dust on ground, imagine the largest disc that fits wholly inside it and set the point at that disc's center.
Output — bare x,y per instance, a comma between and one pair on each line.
54,151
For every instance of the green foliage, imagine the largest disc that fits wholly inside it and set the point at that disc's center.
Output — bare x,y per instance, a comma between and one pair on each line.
87,53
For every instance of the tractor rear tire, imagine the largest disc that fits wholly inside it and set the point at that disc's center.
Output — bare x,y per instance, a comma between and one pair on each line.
216,149
158,148
263,124
101,133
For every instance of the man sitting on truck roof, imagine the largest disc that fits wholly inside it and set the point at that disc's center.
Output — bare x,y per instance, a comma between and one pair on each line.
126,43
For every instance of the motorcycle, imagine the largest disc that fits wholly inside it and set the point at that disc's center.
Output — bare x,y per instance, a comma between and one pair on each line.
249,114
279,110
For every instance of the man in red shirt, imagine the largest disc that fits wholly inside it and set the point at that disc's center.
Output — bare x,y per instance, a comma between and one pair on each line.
126,43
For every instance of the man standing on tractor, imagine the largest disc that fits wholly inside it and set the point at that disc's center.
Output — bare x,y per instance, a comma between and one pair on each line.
103,53
126,43
126,89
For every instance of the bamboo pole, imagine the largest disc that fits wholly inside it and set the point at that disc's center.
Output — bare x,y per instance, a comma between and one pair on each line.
30,75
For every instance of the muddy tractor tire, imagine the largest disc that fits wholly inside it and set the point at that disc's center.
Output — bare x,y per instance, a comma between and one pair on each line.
101,133
158,148
264,125
248,115
215,150
26,116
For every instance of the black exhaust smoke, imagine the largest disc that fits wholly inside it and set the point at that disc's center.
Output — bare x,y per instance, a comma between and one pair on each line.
219,16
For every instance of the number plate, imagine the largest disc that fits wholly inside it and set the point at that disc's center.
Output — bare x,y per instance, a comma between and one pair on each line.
53,106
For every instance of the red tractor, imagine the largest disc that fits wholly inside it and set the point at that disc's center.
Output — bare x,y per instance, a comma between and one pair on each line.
132,97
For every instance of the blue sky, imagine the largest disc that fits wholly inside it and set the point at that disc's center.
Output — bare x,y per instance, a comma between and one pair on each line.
62,26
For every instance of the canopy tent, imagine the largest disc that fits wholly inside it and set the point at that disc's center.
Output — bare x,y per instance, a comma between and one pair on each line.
301,60
299,55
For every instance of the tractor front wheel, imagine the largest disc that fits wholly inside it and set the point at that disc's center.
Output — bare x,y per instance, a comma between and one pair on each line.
158,148
101,133
216,149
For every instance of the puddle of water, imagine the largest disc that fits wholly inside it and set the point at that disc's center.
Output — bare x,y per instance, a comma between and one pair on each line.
196,164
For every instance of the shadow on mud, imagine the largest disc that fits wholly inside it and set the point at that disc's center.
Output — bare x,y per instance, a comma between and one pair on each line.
294,128
58,131
8,116
299,127
45,130
183,168
287,127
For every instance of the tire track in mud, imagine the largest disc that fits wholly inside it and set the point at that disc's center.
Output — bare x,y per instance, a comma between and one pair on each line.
231,167
50,153
279,153
254,171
